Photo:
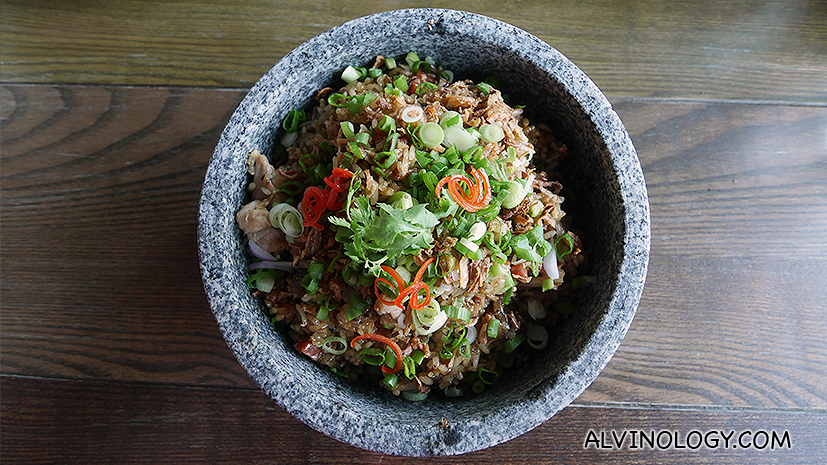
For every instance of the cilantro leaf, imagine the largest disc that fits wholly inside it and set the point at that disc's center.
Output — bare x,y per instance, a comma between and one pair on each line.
372,236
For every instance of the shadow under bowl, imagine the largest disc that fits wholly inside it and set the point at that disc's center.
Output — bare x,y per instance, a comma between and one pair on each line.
605,192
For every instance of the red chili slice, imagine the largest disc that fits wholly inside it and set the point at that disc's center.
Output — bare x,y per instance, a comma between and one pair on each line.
384,340
313,205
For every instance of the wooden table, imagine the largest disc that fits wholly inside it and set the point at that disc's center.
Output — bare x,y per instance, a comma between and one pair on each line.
110,112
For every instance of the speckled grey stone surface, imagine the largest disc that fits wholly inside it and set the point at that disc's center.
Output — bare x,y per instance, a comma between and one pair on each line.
605,192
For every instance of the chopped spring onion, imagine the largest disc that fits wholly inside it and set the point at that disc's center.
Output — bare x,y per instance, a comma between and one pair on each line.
390,62
324,309
467,248
510,344
536,208
450,118
484,88
334,345
408,367
537,337
336,100
550,265
402,202
414,396
412,114
417,356
362,138
411,58
465,348
429,318
387,124
447,74
564,245
478,387
310,284
374,73
456,334
293,119
316,270
492,132
390,358
456,135
390,141
373,355
493,328
358,306
474,132
459,312
351,74
536,310
401,82
488,376
425,87
347,129
548,284
431,134
515,194
384,160
263,281
390,380
353,147
477,231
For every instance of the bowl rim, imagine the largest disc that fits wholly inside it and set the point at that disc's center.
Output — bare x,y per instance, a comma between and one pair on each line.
617,319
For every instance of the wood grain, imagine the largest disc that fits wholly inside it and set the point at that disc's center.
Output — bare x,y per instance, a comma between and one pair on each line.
742,49
110,422
100,278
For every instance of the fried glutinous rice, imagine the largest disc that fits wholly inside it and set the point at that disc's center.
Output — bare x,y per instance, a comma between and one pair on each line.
406,237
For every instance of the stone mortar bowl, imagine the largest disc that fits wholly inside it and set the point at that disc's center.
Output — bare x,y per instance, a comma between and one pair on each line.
605,194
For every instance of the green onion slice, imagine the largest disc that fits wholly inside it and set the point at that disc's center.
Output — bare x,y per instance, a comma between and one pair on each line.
334,345
293,119
488,376
431,134
387,124
336,100
390,380
263,280
510,344
373,355
384,160
465,348
351,74
414,396
417,356
362,138
493,328
347,129
564,245
492,132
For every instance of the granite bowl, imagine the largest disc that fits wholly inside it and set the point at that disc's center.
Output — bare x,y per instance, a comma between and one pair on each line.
605,192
